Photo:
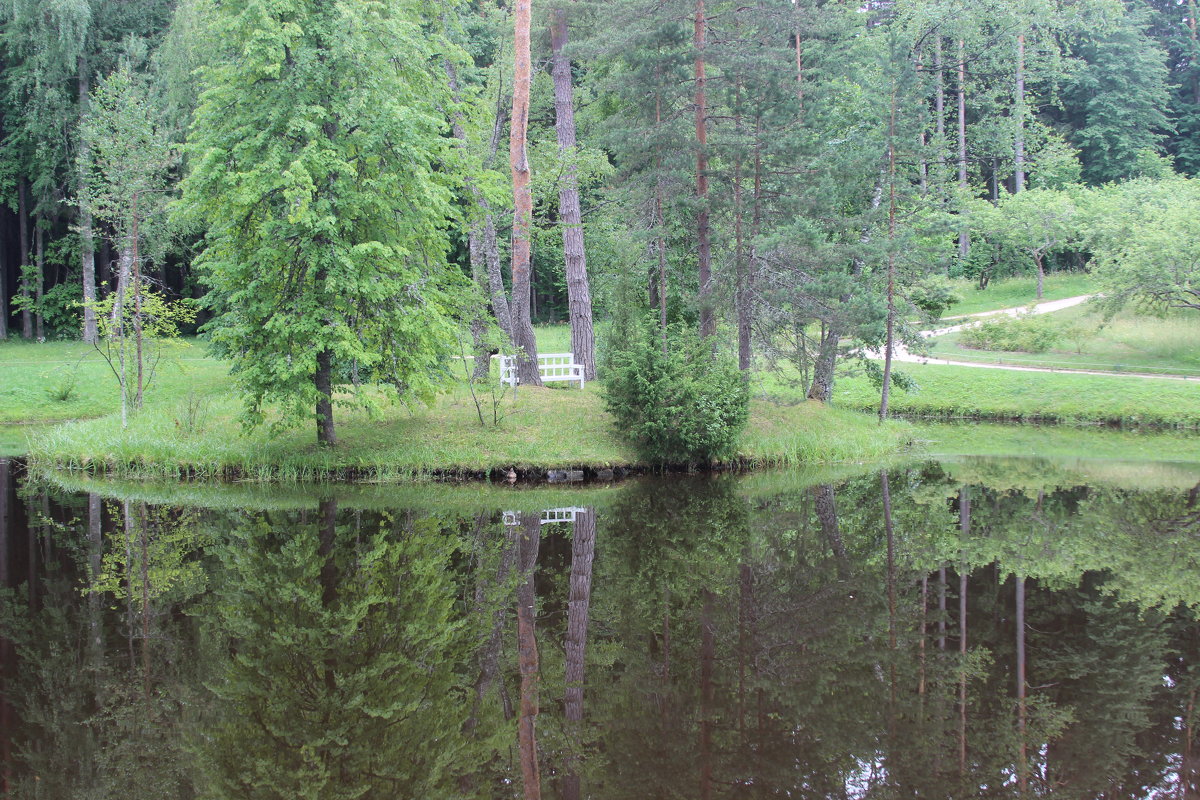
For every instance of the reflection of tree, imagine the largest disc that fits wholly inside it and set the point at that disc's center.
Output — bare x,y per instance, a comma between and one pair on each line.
530,533
343,650
583,545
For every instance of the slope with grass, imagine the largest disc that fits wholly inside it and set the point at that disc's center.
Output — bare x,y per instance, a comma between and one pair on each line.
1013,292
1130,342
970,393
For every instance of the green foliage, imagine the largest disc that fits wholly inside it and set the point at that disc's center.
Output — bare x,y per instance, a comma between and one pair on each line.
1027,333
319,177
60,309
686,406
932,296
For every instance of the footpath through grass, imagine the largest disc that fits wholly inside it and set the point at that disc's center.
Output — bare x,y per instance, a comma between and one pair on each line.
954,392
1130,342
1015,292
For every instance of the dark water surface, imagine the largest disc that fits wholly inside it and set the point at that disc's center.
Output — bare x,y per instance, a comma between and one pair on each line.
965,628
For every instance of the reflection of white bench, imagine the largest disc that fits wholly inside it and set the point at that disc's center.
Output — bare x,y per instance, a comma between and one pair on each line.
551,367
548,517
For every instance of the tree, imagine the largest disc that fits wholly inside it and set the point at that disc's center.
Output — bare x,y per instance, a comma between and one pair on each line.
317,148
1036,222
1145,246
123,164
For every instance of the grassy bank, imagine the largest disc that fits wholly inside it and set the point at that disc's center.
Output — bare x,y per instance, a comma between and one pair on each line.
544,429
973,393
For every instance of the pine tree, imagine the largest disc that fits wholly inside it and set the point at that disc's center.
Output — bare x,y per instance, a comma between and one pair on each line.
317,149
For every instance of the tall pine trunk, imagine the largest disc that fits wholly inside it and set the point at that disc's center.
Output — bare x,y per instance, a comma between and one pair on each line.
39,287
964,237
579,297
87,247
23,239
889,340
523,338
708,323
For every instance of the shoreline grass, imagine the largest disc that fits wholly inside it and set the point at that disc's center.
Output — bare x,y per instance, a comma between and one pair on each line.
969,393
556,428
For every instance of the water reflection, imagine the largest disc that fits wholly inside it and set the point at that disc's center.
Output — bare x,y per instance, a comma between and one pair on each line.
960,629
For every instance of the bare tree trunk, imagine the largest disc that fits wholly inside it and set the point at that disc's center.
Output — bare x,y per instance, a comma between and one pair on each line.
3,290
87,247
579,297
23,239
527,368
323,378
891,264
964,236
583,545
39,288
137,307
1019,143
527,657
708,323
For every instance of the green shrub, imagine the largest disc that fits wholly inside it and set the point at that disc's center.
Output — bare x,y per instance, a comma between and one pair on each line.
1024,333
933,296
687,406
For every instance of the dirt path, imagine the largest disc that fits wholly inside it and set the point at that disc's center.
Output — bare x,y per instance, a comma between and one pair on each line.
902,354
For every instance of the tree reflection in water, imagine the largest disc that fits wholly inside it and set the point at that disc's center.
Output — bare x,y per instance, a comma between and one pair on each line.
714,637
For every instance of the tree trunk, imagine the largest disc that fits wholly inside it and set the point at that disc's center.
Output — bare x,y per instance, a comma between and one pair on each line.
1019,143
323,378
137,307
527,657
823,367
1041,274
3,284
583,545
579,297
23,239
39,288
1023,753
964,522
87,248
708,323
939,105
708,655
891,264
523,337
964,236
826,506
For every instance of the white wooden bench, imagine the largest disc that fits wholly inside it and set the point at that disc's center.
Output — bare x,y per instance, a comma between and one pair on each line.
551,367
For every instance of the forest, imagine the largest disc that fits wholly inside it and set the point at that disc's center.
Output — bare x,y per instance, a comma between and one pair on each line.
321,189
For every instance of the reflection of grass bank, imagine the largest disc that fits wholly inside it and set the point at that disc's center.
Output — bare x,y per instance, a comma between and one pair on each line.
547,428
974,393
1056,441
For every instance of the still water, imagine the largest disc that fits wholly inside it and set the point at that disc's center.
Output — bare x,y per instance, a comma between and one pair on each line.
964,628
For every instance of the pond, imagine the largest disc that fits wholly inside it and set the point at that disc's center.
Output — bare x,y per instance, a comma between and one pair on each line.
963,627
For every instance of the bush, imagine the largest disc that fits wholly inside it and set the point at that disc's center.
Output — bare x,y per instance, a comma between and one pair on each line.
932,297
685,407
1023,333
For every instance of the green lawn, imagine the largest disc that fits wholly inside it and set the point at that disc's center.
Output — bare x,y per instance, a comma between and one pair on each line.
1131,342
974,393
1015,292
190,427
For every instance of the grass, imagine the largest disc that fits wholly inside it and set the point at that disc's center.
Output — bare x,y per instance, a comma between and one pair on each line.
1131,342
972,393
190,428
58,381
948,439
1015,292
